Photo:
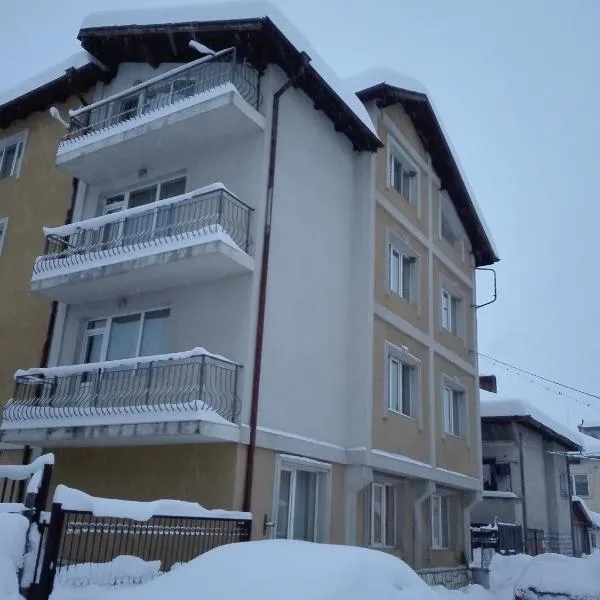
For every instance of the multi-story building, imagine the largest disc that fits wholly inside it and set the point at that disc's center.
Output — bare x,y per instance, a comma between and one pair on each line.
32,194
265,298
585,469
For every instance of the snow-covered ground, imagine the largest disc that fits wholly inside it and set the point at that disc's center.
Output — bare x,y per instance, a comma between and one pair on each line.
13,532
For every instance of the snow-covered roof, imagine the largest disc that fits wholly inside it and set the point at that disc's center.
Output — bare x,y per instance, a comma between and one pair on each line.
493,406
591,445
230,11
592,516
380,76
75,61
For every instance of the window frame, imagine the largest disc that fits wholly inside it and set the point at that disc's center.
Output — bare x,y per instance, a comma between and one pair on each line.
448,212
19,140
459,391
587,479
395,150
402,357
437,537
322,495
383,533
105,331
3,230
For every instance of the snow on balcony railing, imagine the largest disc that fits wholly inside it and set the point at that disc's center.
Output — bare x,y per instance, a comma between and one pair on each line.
170,88
194,382
205,214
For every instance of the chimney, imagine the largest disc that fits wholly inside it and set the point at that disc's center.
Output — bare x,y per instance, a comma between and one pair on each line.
488,383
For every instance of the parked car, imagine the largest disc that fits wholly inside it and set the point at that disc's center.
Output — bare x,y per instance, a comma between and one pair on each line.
276,569
558,577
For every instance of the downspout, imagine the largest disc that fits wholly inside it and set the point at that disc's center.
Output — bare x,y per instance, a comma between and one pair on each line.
467,524
570,492
262,291
523,495
418,517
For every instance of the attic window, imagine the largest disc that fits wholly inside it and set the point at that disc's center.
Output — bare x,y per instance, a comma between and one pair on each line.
450,226
403,174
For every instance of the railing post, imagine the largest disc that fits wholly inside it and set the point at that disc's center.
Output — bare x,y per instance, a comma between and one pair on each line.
41,496
220,208
235,396
148,385
201,382
43,589
247,244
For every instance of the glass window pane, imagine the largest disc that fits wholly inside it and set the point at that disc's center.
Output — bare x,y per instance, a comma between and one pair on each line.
397,174
283,504
445,518
394,270
407,185
154,334
8,158
93,348
305,506
445,309
172,188
142,197
394,375
390,515
407,271
377,514
435,521
122,342
456,412
407,377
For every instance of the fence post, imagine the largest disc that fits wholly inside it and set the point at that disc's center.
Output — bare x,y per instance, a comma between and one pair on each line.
43,589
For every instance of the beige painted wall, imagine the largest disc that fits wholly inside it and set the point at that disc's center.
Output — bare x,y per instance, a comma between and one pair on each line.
40,196
456,453
416,313
393,432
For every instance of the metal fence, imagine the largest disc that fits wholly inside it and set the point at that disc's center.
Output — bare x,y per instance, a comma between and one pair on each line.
504,538
76,542
175,385
176,85
15,489
154,225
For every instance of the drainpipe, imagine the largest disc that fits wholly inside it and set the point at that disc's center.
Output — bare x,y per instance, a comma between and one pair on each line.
262,293
570,492
467,524
418,517
523,495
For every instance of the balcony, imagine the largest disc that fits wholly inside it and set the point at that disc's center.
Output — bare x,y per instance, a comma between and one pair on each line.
193,237
191,394
212,100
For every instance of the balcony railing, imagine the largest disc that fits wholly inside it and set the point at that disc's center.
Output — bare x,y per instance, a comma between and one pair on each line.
177,85
211,210
188,382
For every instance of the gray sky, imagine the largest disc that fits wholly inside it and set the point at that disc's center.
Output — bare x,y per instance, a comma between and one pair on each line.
517,85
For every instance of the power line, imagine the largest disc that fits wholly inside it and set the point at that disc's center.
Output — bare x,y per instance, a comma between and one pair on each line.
558,383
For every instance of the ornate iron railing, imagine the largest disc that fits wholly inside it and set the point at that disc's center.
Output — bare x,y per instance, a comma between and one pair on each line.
177,85
191,384
161,223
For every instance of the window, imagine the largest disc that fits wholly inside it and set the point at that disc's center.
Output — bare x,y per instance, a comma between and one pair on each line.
402,273
581,485
301,512
451,312
125,336
450,227
496,476
440,522
383,514
454,411
402,382
3,226
11,155
403,175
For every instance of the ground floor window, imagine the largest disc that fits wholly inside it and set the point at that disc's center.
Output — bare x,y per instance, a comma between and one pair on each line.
383,514
302,500
440,522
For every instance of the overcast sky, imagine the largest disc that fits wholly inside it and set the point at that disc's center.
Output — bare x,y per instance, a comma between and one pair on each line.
517,85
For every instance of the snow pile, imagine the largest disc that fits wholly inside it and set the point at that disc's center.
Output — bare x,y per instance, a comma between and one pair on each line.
76,500
557,574
13,533
122,570
273,569
493,406
505,570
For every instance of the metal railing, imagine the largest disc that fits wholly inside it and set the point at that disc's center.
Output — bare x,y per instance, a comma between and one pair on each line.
149,226
177,85
166,386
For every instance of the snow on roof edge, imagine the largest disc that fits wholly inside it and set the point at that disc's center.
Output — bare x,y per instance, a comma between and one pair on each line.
227,11
491,406
78,60
594,517
372,77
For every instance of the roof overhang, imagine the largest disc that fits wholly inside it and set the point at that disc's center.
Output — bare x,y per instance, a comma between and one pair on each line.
257,40
532,423
420,110
73,81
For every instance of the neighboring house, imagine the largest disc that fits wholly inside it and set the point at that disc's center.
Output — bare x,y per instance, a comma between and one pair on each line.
586,527
33,193
585,469
525,476
347,409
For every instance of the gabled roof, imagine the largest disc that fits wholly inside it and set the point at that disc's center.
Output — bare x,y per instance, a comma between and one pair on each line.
388,87
76,74
260,33
494,409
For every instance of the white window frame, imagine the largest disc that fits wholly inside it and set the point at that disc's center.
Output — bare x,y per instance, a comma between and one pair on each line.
574,487
3,229
396,246
452,311
323,494
104,331
451,392
401,356
395,150
447,211
19,140
437,525
380,540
